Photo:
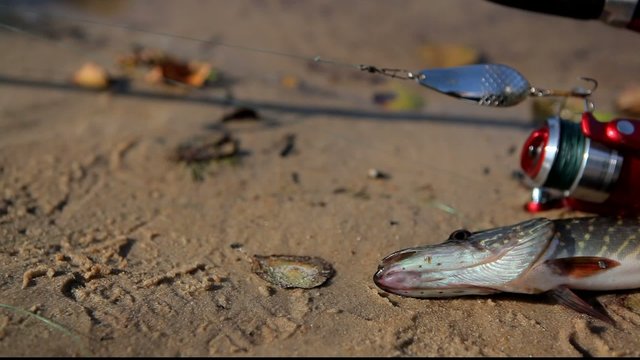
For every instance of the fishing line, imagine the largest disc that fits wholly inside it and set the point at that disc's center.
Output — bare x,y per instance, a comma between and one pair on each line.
42,38
389,72
567,165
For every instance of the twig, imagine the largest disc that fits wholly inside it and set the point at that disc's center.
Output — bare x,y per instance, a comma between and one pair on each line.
49,323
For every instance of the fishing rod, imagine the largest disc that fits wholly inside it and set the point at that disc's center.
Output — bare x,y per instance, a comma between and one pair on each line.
617,13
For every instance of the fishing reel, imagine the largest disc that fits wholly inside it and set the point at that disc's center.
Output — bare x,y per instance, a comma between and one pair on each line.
590,166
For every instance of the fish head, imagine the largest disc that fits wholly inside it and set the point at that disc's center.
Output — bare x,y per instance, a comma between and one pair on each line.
467,263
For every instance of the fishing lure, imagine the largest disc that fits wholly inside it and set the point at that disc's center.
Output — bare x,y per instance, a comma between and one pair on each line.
531,257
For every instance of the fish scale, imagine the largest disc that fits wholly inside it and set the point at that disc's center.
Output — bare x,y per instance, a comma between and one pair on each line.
599,237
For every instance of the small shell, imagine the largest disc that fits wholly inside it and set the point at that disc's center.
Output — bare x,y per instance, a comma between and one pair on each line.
292,271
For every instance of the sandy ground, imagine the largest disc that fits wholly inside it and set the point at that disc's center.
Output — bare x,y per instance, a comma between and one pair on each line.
125,250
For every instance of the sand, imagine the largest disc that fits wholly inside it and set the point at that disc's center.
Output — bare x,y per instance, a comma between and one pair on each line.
104,234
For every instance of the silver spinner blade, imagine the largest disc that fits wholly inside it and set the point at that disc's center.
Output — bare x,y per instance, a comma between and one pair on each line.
486,84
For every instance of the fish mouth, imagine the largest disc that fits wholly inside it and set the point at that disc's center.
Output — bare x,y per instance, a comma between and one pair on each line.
396,281
393,283
385,285
389,279
378,279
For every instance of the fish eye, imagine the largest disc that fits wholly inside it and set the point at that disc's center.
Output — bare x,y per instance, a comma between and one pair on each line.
460,234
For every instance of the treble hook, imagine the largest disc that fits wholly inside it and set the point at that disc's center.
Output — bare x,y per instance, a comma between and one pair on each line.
591,80
588,104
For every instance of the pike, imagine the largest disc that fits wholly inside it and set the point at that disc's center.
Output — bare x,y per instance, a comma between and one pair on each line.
531,257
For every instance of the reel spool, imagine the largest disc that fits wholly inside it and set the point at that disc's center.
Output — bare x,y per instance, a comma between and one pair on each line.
560,158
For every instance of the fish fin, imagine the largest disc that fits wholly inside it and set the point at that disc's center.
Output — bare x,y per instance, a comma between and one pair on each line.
568,298
581,266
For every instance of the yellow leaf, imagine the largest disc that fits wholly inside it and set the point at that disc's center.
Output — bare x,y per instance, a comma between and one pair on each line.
92,76
446,55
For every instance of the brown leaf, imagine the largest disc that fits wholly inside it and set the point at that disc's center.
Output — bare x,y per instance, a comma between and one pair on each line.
446,55
629,100
92,76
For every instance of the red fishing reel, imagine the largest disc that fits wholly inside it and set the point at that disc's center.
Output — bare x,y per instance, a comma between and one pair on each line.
590,166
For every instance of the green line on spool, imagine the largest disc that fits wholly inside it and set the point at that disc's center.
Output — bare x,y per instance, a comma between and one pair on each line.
570,151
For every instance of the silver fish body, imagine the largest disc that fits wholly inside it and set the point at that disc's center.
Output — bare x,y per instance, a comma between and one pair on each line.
531,257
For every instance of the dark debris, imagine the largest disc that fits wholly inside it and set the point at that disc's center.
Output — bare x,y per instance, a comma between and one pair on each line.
289,145
241,114
206,148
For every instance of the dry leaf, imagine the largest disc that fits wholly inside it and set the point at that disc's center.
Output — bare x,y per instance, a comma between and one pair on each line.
290,81
447,55
399,99
92,76
629,100
166,69
194,74
200,72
